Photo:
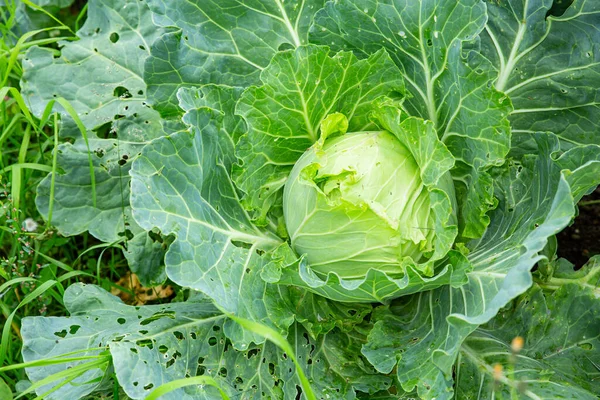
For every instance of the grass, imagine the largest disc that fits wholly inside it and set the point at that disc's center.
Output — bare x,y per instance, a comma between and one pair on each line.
36,264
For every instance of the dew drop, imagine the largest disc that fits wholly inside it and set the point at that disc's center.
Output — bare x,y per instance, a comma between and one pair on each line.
402,34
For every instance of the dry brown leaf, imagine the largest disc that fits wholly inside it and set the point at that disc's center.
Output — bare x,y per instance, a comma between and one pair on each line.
142,294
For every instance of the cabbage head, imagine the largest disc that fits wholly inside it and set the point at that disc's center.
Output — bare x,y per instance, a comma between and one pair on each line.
357,202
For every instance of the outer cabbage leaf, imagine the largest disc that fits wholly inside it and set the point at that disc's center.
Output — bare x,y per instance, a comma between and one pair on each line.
560,333
582,165
425,333
103,208
159,341
145,254
26,19
549,65
224,42
74,210
300,89
151,345
425,40
181,185
112,47
587,276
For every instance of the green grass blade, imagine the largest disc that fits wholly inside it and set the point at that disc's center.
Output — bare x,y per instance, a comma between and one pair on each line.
35,166
179,383
6,329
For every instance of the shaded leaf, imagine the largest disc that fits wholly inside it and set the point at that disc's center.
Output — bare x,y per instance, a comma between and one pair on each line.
549,65
112,47
559,333
224,42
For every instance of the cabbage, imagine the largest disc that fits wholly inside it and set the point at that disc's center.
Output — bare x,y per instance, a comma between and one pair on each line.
357,203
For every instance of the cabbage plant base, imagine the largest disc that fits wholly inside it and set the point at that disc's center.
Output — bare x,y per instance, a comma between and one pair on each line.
501,96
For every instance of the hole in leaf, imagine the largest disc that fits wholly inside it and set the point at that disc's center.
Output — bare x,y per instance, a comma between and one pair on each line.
149,386
585,346
105,131
158,315
285,46
559,7
62,334
73,329
121,92
121,321
242,245
298,392
144,343
128,234
212,341
114,37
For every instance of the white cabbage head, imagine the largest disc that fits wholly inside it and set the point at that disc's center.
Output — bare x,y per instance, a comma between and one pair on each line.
358,202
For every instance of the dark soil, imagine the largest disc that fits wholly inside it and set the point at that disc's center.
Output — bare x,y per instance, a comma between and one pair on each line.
578,242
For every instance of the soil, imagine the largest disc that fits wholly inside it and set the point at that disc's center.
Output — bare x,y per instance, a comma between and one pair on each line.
578,242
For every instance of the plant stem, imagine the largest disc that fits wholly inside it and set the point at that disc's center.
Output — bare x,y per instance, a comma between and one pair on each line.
588,203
